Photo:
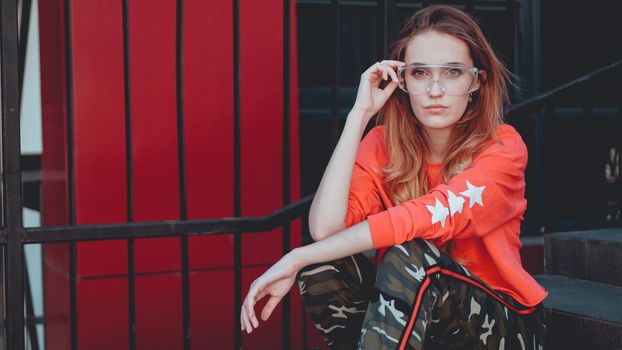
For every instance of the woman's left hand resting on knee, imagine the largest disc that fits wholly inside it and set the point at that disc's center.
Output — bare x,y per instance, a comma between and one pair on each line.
279,278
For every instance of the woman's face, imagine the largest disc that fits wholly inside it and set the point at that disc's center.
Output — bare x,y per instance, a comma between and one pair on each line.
431,47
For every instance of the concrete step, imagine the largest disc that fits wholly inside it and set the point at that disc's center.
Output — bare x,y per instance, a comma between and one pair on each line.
582,314
594,255
532,254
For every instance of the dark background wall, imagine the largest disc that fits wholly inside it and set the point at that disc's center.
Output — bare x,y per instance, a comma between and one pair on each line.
546,43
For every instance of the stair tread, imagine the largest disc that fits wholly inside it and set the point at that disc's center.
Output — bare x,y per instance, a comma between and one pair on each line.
608,235
584,298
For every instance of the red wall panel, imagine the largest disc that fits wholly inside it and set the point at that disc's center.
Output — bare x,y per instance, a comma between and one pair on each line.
154,127
158,311
99,169
261,122
208,124
102,314
212,313
99,153
98,129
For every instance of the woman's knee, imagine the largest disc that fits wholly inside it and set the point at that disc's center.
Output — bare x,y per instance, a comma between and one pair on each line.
314,272
322,278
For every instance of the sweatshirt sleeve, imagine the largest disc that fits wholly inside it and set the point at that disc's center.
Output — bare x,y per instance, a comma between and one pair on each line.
473,203
364,195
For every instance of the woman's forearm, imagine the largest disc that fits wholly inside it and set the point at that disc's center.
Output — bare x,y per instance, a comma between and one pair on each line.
354,239
328,209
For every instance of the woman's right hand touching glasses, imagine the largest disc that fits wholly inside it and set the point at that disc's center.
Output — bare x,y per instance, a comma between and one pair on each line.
370,97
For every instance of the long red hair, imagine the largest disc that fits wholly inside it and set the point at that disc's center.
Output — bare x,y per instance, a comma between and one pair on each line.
405,172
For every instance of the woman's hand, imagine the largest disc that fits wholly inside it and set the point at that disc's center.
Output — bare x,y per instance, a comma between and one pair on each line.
275,282
278,279
370,98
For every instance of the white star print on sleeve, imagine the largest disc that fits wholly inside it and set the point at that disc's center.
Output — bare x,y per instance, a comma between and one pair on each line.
439,212
474,193
455,203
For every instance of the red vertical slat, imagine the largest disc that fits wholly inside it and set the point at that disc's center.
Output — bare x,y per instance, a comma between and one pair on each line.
99,163
261,61
208,141
54,171
297,312
154,127
155,168
208,121
261,93
99,130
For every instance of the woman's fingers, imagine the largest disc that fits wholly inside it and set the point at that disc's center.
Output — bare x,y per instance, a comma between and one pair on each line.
255,294
387,69
246,323
247,316
389,89
393,63
242,320
249,306
392,71
269,307
381,70
384,68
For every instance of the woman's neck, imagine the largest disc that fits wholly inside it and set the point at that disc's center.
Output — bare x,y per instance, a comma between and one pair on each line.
438,139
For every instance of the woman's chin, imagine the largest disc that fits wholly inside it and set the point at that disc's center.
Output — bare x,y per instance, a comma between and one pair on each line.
437,121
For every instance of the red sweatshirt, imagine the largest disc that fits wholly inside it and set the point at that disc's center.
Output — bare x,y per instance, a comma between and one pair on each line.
479,209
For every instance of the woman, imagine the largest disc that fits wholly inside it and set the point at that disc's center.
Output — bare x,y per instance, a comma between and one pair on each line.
440,183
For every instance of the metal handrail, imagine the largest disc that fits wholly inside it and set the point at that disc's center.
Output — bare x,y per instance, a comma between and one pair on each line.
538,102
49,234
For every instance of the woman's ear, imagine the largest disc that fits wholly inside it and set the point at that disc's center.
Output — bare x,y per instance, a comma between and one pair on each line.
482,74
481,77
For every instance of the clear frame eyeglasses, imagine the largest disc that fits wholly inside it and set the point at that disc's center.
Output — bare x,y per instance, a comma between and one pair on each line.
453,79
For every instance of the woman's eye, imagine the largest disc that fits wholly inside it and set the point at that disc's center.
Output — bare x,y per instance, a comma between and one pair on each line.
419,73
454,72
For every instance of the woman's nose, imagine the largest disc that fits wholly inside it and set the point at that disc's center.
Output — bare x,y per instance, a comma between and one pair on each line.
436,89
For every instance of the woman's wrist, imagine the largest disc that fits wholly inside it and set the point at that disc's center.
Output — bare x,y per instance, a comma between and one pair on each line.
297,259
361,115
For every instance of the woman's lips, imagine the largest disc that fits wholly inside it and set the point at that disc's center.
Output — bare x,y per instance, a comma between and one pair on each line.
435,108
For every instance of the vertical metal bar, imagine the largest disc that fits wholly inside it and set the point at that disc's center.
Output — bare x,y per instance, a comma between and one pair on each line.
518,26
305,225
334,136
512,8
23,42
12,175
540,122
536,48
185,284
383,20
286,329
69,82
469,6
73,295
131,279
131,290
588,109
237,198
181,157
3,291
73,309
30,314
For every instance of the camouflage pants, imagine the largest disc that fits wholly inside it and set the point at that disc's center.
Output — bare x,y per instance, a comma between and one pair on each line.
420,298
